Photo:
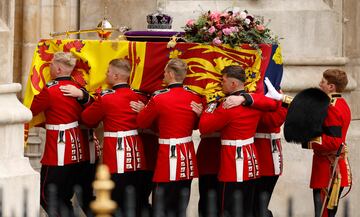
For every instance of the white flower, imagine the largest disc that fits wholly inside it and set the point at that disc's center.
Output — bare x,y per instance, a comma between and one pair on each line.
247,21
243,15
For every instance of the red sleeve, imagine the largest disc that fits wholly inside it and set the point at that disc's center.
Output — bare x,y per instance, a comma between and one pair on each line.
41,102
274,119
331,139
148,115
213,122
263,103
93,114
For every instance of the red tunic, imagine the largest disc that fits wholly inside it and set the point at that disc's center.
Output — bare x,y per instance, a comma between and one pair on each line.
170,109
122,149
238,161
345,114
65,144
325,148
268,142
150,139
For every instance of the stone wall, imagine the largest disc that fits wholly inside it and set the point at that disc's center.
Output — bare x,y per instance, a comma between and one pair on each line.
18,181
318,34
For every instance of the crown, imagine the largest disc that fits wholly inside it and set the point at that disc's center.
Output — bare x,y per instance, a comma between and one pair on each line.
158,20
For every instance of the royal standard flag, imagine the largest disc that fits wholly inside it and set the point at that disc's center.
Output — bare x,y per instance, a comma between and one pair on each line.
148,60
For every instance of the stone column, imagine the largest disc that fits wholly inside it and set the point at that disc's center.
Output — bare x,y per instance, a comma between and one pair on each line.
16,174
31,35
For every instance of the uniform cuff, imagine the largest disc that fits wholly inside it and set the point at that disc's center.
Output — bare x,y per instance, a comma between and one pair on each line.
248,99
86,97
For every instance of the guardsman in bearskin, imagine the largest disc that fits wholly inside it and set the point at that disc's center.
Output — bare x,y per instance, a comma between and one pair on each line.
239,159
123,150
64,147
316,121
176,164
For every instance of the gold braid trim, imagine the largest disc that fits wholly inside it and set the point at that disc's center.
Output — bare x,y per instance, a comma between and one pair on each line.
287,99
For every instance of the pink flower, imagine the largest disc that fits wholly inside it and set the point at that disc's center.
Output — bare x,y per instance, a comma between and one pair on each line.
234,29
260,28
225,15
215,15
217,41
211,29
190,22
227,31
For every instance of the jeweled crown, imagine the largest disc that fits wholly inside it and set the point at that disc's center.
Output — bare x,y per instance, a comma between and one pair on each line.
158,20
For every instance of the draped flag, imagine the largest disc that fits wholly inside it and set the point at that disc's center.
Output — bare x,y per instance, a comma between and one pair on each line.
148,60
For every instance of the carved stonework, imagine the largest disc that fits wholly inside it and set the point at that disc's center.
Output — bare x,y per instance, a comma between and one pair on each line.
16,174
329,2
4,13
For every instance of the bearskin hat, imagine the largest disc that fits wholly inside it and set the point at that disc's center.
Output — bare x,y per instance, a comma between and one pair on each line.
306,115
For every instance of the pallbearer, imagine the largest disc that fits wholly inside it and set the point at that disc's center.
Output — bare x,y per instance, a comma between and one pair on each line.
176,164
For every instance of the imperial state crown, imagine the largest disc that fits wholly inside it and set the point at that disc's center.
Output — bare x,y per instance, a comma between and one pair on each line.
159,21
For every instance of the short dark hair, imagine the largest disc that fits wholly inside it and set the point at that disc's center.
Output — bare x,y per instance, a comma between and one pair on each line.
336,77
234,72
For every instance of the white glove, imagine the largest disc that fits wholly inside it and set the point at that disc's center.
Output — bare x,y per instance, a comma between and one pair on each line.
272,92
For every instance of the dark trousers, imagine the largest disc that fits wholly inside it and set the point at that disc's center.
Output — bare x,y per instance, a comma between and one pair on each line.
319,197
236,198
85,178
170,199
147,188
57,200
128,193
262,196
208,206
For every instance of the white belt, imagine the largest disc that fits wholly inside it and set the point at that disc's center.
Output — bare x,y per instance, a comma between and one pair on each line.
61,126
237,143
120,134
268,136
173,153
120,149
174,141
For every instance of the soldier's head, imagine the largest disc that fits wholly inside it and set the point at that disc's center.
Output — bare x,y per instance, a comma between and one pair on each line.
118,71
333,80
175,71
233,79
62,64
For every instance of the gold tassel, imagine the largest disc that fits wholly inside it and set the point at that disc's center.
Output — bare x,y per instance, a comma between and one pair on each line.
172,42
334,196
